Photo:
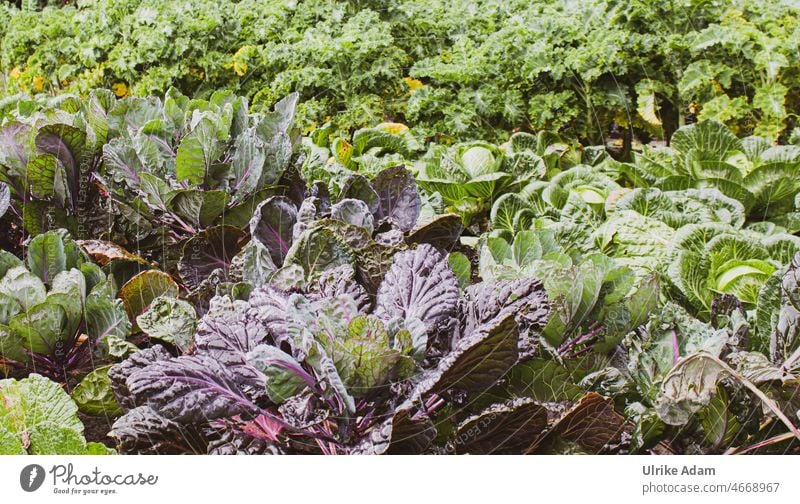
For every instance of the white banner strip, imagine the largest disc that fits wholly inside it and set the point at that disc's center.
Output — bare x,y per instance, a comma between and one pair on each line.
329,480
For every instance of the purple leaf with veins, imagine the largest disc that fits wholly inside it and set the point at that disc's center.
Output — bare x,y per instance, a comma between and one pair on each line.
191,389
272,225
211,250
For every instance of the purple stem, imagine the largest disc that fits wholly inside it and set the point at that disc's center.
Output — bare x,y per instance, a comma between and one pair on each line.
676,351
431,401
183,225
581,339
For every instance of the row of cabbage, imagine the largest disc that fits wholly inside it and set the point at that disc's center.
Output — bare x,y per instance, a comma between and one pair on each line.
202,279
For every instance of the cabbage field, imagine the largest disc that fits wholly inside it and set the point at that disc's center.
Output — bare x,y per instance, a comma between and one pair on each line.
399,227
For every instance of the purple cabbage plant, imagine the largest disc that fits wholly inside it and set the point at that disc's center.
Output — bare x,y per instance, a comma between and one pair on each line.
330,368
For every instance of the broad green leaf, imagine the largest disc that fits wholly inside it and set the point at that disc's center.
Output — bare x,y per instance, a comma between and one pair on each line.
710,140
7,262
678,208
720,425
343,152
774,185
688,268
122,163
505,210
201,207
46,257
483,186
157,193
10,443
100,102
107,322
574,292
8,308
141,290
543,380
43,329
247,164
643,301
41,416
198,151
20,284
54,439
285,376
462,267
767,312
12,345
636,241
770,99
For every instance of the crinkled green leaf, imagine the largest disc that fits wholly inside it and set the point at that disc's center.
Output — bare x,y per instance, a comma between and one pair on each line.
689,386
636,241
712,139
94,396
543,380
317,250
41,415
12,345
364,357
354,212
171,320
